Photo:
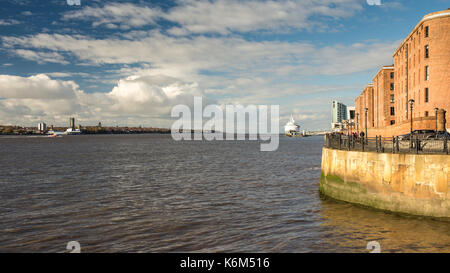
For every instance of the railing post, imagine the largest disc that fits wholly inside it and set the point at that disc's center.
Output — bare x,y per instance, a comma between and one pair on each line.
340,141
379,144
393,145
398,145
410,142
363,142
348,142
376,144
417,144
445,144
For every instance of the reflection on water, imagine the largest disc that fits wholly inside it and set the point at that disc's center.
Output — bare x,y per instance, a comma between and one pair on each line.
349,228
148,193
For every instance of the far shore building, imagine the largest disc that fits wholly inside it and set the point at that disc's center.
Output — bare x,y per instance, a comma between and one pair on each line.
42,127
421,72
338,115
72,123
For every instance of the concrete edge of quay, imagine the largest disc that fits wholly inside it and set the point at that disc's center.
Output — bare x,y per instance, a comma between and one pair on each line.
414,184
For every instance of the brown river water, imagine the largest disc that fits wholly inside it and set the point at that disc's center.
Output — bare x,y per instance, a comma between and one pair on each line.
149,193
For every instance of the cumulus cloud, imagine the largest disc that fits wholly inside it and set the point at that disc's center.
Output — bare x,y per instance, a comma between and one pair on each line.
36,87
130,102
154,95
24,100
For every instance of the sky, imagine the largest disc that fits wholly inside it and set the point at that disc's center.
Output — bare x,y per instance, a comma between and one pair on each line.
128,63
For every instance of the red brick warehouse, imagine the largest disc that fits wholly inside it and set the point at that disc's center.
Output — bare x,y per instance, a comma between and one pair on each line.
421,72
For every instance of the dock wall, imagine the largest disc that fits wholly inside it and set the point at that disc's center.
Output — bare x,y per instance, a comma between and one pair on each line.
417,184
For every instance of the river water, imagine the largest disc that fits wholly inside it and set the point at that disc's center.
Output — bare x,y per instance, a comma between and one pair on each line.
148,193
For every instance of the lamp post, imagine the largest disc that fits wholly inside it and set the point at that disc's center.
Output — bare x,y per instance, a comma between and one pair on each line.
436,113
365,111
357,123
411,105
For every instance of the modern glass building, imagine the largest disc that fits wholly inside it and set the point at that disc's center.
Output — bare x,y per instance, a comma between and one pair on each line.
339,112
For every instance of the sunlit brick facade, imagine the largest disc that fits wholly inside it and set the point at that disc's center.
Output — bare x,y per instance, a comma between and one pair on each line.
384,97
421,72
422,68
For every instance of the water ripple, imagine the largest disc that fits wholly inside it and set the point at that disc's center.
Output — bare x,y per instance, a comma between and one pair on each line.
148,193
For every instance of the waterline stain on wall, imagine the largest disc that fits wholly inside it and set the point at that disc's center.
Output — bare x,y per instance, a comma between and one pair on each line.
406,183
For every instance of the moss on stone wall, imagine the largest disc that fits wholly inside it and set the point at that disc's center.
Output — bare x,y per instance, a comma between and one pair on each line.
403,196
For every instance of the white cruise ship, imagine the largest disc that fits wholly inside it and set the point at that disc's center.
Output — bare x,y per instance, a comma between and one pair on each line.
291,129
71,131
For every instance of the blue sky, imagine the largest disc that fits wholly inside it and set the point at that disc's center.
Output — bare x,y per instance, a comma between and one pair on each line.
130,62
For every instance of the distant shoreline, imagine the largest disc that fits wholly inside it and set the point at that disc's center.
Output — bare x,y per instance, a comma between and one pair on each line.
47,136
88,130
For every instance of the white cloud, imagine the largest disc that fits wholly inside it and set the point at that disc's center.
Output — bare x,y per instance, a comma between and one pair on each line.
135,100
41,57
36,87
392,5
225,16
240,71
111,15
8,22
219,16
67,74
27,100
186,56
160,70
151,95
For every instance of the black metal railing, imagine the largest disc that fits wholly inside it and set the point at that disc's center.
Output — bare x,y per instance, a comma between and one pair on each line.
379,144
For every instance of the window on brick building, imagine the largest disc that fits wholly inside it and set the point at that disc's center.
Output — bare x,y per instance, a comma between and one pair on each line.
426,113
392,122
392,98
427,31
427,73
392,86
392,111
392,75
426,95
427,52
